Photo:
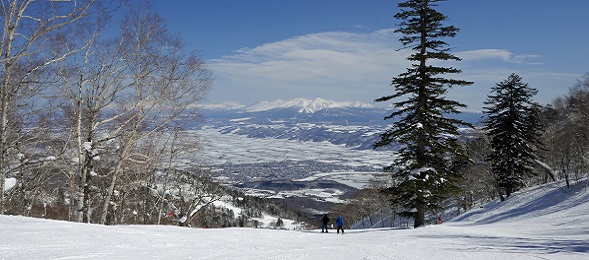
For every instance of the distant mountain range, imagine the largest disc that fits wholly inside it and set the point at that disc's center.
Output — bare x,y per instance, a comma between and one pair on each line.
349,123
304,105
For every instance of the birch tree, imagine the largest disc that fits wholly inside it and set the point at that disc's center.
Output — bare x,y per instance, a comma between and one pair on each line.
122,91
29,30
165,81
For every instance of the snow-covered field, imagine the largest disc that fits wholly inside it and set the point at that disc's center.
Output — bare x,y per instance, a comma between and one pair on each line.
221,148
546,222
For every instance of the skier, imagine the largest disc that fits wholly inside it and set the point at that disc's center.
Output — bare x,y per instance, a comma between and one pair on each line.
324,222
340,224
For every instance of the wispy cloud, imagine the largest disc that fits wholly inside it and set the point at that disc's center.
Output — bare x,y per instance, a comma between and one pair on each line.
498,54
339,65
353,66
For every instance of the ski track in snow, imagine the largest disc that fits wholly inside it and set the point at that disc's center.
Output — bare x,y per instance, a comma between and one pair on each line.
545,222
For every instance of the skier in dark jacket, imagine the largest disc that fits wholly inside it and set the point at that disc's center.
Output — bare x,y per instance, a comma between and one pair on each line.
340,224
324,222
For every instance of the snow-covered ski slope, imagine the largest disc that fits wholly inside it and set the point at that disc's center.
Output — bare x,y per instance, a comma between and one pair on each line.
545,222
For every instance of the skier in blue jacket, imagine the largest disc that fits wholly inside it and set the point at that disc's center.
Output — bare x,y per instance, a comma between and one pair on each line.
340,224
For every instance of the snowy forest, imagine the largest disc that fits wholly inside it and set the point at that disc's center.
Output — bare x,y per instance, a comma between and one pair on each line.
90,127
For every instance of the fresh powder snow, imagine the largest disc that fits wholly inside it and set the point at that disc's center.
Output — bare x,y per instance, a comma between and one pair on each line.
544,222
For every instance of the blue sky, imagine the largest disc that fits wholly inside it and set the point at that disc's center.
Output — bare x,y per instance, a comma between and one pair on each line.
346,49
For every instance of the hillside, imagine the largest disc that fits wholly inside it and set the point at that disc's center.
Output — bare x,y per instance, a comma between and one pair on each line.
544,222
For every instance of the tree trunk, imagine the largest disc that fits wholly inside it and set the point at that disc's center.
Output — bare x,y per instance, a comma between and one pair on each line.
82,182
7,41
87,171
420,211
109,193
107,199
122,218
393,219
72,193
419,218
382,217
3,149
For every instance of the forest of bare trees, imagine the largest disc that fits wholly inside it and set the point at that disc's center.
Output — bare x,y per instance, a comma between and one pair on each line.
94,98
89,128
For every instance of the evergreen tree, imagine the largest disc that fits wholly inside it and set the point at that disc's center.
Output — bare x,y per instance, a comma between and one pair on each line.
422,173
514,127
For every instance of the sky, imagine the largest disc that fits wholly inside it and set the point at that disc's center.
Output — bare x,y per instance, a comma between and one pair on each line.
346,50
544,222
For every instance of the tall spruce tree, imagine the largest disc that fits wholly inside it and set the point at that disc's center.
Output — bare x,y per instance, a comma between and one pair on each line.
514,127
423,173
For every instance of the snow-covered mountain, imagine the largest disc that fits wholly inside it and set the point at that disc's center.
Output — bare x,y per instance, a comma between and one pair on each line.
311,110
349,123
307,106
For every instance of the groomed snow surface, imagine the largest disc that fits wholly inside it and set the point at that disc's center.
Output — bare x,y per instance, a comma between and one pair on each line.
545,222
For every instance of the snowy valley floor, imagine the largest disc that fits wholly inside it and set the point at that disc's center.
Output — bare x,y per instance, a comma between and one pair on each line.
545,222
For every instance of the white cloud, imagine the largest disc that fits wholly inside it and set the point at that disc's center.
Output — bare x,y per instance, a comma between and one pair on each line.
499,54
336,65
359,66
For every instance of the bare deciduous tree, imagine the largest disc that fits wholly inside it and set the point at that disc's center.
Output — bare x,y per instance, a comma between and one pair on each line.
30,28
122,91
